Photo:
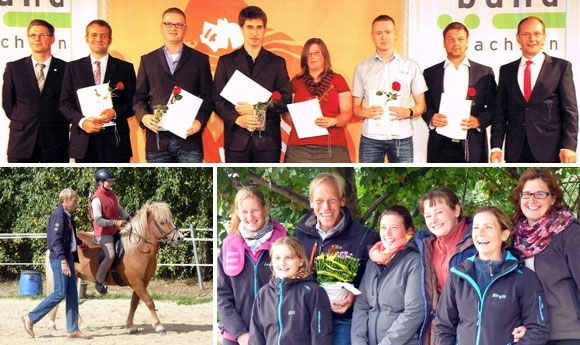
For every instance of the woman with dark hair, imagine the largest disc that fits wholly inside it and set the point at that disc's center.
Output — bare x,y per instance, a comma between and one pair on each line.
317,80
390,308
491,294
548,237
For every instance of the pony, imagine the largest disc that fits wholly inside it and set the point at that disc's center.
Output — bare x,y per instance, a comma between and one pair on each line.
141,238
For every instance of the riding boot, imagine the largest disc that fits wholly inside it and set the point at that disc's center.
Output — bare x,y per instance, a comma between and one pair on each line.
101,288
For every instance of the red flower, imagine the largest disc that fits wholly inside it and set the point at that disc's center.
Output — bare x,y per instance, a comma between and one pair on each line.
276,96
120,86
176,90
396,86
471,92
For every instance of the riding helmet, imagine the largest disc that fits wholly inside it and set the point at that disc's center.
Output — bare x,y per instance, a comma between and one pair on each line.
104,174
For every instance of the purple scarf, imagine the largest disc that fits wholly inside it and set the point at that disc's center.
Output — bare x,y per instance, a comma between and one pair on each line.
532,239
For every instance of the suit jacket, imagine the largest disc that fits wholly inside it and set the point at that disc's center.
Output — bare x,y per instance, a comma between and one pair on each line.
482,80
270,72
549,119
34,115
155,84
79,74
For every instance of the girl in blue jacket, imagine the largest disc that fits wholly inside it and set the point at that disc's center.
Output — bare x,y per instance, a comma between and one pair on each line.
490,294
292,309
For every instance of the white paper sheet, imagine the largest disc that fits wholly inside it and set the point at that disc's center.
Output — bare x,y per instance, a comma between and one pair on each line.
456,109
181,114
384,125
303,115
241,88
91,104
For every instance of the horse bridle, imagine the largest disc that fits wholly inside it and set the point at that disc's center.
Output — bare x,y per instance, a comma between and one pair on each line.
165,234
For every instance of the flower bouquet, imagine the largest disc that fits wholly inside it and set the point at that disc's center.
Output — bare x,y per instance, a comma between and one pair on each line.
335,273
260,109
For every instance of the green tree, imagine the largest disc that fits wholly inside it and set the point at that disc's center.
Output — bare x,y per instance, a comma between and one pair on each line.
374,188
30,194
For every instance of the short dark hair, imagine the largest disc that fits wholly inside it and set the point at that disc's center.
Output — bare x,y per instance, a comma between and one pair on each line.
101,23
455,26
530,18
444,195
383,18
402,212
252,12
41,22
174,10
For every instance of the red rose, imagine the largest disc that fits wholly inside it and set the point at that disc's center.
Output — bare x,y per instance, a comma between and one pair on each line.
276,96
471,92
120,86
396,86
176,90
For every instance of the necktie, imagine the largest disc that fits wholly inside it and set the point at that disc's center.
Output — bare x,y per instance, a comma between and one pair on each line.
528,80
97,72
40,75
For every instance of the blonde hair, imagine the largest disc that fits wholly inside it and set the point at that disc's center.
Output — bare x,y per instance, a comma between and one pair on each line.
297,248
241,195
66,194
321,178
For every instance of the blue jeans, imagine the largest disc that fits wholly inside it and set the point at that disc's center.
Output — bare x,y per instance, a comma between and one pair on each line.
64,287
174,154
341,331
397,150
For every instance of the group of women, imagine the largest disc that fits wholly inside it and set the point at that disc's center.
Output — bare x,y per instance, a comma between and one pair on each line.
463,280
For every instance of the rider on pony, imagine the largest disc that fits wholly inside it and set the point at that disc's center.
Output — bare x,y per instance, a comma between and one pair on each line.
108,216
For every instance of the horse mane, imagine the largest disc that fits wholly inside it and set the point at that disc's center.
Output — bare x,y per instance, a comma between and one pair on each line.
135,232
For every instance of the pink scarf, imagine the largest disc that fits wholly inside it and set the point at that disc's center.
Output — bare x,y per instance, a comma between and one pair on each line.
381,255
532,239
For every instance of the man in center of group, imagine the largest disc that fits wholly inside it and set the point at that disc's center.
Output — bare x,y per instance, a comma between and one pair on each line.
379,73
244,141
459,78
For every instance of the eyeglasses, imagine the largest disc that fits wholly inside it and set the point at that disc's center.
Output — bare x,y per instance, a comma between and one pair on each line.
173,25
532,34
316,53
40,36
537,195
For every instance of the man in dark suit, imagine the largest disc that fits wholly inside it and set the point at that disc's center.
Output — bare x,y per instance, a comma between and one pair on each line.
103,138
174,64
244,142
537,111
38,131
460,77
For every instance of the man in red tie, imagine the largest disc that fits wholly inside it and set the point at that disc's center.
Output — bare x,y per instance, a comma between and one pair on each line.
537,111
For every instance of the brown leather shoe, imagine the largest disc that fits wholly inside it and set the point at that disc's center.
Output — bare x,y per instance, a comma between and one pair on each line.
79,334
27,324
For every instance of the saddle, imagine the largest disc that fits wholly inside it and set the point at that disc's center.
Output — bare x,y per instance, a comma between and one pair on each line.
119,251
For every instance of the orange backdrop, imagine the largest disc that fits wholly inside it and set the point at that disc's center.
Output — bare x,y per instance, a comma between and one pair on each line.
344,26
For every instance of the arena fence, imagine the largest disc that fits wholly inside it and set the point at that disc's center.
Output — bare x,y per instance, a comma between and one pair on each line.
192,238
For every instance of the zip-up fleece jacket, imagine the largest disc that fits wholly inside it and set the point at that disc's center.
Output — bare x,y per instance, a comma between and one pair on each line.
240,274
558,269
424,242
390,308
514,297
354,238
291,312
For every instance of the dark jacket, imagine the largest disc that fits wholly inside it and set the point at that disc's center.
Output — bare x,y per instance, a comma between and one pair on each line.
59,232
467,315
155,84
236,293
390,308
558,269
34,115
424,242
271,73
79,74
291,312
482,80
354,238
549,120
